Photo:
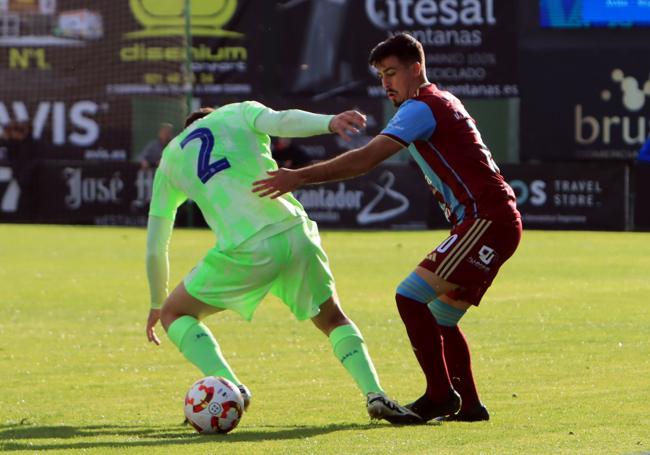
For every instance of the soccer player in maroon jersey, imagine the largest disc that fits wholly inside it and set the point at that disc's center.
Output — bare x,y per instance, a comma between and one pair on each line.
486,226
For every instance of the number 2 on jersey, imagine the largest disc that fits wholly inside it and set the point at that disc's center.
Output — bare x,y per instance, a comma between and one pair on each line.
205,170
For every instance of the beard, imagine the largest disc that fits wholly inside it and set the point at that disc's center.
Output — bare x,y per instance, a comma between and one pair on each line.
394,100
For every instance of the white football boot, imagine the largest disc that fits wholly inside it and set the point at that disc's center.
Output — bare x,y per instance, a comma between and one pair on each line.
382,407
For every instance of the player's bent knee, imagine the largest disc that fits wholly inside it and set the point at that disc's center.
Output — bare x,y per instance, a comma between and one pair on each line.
414,287
446,315
327,323
167,316
169,313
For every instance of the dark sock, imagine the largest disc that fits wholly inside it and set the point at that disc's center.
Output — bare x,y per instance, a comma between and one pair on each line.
426,340
459,365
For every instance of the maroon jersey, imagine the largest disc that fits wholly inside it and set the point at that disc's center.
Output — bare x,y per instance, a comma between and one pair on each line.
443,139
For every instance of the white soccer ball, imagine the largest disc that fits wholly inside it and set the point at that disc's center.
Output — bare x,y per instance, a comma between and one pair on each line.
214,405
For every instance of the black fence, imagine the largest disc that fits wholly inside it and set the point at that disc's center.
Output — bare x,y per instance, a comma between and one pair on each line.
589,196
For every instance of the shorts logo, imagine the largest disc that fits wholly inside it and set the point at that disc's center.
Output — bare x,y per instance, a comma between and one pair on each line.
486,254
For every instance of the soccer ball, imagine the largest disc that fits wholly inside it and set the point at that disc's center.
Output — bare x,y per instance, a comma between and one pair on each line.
214,405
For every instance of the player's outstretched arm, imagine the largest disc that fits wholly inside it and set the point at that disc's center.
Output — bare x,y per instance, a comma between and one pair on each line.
297,123
348,165
159,231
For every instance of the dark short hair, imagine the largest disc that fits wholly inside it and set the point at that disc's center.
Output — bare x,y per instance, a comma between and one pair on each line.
194,116
403,46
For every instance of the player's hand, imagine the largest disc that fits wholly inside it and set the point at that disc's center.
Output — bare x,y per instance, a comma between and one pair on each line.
152,320
347,123
281,181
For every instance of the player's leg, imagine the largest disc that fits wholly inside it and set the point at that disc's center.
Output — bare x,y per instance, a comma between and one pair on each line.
412,297
436,275
448,313
471,257
237,280
349,347
181,317
314,297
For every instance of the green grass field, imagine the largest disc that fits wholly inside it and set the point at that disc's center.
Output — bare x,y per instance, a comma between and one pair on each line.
561,349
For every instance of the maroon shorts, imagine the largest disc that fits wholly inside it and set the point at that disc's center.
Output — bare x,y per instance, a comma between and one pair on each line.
472,255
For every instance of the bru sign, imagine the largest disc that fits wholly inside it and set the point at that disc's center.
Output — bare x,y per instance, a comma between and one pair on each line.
584,105
627,96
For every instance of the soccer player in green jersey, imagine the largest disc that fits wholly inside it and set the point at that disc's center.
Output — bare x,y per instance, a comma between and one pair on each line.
262,245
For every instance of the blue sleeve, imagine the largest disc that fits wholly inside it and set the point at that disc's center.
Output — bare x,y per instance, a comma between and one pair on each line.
414,120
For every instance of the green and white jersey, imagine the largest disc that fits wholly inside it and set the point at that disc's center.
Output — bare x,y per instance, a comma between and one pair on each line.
214,162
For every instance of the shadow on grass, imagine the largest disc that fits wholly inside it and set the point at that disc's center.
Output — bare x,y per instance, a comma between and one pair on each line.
26,437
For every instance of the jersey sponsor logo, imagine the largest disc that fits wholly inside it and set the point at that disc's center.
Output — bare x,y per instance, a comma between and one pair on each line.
207,18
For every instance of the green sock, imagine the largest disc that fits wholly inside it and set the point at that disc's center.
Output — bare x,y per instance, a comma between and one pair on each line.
197,344
350,349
